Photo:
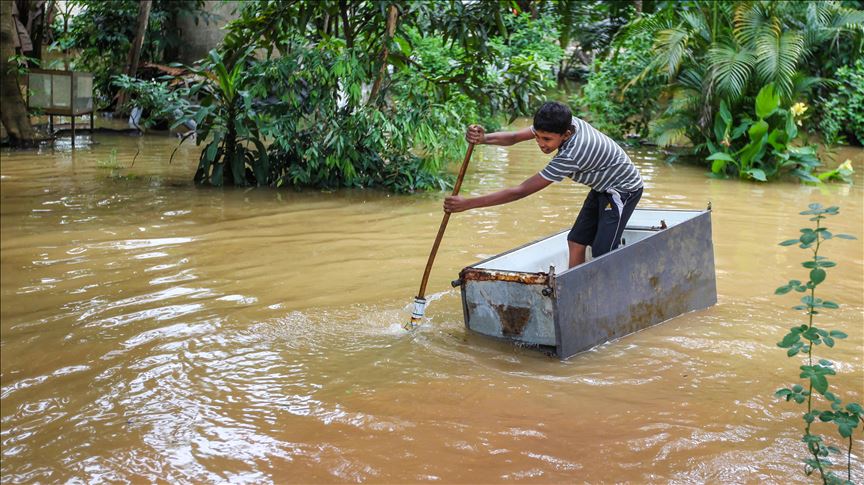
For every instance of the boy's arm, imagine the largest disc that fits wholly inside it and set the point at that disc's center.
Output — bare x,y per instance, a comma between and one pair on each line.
477,135
526,188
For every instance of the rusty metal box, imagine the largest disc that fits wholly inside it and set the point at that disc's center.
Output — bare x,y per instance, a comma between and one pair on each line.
665,267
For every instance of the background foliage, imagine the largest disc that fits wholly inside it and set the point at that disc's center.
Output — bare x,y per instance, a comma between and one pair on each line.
369,93
606,103
363,94
101,34
843,109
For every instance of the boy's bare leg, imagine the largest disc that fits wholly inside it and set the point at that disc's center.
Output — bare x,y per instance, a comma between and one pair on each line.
577,253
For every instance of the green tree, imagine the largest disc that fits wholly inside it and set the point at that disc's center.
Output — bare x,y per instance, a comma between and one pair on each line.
366,93
102,33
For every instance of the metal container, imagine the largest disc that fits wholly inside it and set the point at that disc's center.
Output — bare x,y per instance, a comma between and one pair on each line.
665,267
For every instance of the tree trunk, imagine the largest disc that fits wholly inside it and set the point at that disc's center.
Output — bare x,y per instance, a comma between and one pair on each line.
638,5
137,44
13,110
346,23
392,17
38,13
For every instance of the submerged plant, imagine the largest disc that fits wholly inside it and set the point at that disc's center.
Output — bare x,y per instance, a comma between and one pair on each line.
110,162
802,339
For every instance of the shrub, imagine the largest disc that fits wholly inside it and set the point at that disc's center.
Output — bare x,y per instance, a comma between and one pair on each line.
843,111
607,104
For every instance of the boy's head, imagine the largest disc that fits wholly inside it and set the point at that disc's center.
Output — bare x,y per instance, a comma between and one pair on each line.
552,125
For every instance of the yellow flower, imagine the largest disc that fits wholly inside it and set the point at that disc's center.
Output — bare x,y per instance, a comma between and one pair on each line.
798,109
847,165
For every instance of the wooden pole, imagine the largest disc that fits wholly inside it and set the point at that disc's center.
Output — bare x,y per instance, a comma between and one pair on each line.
422,293
420,300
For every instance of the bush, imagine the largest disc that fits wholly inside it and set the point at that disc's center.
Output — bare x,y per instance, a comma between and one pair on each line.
102,33
612,107
158,101
843,111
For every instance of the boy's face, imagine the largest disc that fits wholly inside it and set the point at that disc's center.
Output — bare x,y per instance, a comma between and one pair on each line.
549,141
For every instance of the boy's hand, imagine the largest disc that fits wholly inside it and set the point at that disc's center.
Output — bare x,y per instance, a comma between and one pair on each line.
455,203
475,135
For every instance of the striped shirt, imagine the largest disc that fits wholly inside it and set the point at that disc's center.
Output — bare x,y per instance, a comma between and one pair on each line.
594,159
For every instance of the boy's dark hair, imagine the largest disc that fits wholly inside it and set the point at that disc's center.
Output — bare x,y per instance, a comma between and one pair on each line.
553,117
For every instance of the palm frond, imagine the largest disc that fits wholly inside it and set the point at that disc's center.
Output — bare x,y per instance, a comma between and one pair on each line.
801,84
692,79
650,24
777,58
671,48
847,19
672,127
697,22
731,70
829,20
751,21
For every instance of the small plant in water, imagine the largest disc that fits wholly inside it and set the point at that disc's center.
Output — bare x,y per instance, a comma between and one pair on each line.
802,340
110,162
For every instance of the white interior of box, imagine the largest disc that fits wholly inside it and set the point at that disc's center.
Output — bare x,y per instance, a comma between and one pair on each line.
552,251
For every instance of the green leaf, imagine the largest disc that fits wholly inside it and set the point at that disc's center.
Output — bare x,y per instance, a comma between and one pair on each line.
837,334
830,304
820,383
718,165
789,339
767,101
782,392
757,174
721,156
789,242
808,237
817,275
826,264
844,236
757,131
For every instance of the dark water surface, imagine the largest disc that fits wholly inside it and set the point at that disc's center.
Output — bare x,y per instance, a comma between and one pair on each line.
152,330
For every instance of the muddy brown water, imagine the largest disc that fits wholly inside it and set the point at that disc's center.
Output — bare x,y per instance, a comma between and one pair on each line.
155,331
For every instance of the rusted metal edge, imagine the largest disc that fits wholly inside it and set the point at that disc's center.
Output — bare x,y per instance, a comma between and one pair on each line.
476,274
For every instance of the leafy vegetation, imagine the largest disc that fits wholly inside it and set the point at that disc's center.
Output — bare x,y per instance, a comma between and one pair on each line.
344,93
361,94
101,34
159,101
762,148
610,108
843,110
716,57
802,339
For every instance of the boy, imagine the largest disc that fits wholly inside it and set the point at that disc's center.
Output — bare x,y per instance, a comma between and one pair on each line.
584,155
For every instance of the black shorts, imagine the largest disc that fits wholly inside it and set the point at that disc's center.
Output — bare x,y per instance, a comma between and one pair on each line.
602,219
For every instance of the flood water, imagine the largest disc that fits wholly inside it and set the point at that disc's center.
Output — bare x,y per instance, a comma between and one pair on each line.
155,331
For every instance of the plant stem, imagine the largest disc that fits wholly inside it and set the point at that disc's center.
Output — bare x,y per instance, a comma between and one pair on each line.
810,356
